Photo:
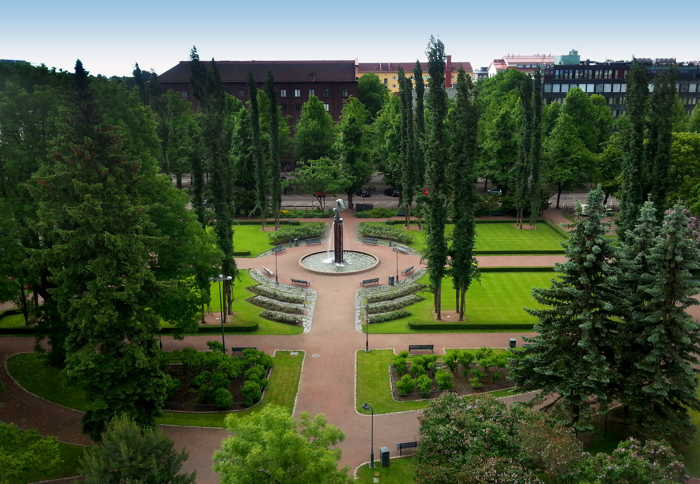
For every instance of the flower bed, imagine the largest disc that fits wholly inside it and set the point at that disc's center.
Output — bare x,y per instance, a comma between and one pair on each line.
275,305
271,293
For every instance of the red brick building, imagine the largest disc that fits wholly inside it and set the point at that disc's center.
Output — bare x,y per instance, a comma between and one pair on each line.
332,82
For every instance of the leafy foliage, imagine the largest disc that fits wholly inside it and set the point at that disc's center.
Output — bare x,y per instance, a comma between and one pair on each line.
21,451
305,231
382,232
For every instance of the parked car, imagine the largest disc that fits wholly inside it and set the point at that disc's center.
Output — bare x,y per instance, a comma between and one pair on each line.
391,192
363,192
319,194
494,191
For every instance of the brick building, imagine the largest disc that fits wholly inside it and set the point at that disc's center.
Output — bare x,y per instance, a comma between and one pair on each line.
332,82
388,72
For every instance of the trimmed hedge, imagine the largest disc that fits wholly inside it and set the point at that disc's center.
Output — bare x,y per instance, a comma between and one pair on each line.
519,252
418,326
303,232
384,232
402,290
242,328
394,304
563,233
262,290
281,317
379,212
241,253
274,305
390,316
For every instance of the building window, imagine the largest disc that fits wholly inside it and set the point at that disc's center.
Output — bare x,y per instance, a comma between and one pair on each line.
284,107
312,92
692,88
297,107
616,88
297,92
598,88
386,82
393,78
607,88
393,86
327,106
345,93
564,88
326,93
623,88
684,88
241,94
183,94
283,93
556,88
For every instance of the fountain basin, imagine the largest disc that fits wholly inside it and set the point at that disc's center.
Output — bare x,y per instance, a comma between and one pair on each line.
354,261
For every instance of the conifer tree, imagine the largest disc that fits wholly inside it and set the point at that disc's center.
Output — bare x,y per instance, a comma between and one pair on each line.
536,149
465,155
435,165
572,356
522,167
658,148
275,167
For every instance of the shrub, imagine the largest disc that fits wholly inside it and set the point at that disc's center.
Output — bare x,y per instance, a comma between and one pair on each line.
306,231
451,359
263,383
465,359
496,377
223,399
201,379
476,375
403,354
251,393
272,293
206,393
416,370
384,232
444,380
399,365
255,373
486,204
188,358
483,352
420,360
394,304
379,212
215,346
425,385
274,305
430,358
281,317
219,380
232,367
397,292
405,385
383,317
431,367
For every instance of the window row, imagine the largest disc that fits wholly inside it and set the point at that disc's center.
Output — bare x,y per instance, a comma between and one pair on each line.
312,92
298,107
588,73
590,88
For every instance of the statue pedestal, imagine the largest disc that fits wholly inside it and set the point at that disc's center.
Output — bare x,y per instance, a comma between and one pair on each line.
338,239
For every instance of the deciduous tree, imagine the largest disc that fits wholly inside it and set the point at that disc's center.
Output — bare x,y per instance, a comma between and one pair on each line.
25,450
314,132
351,146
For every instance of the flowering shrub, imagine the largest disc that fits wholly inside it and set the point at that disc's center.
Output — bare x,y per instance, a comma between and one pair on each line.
498,470
397,292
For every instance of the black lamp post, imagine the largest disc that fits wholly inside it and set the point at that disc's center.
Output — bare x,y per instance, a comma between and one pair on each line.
221,306
367,406
277,250
397,250
367,328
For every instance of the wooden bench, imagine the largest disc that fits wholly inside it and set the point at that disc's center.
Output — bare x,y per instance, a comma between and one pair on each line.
406,445
313,241
420,347
406,271
268,271
299,281
370,281
239,349
370,240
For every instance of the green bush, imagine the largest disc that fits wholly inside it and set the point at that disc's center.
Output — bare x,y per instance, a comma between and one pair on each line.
274,305
223,399
465,359
405,385
430,326
383,317
273,293
303,232
496,377
444,380
379,212
201,379
219,380
451,359
431,368
399,365
399,291
475,379
251,393
281,317
263,383
425,385
416,370
255,373
384,232
486,204
394,304
403,354
315,213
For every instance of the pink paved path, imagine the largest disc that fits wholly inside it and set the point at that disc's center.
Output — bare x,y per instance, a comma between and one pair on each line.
328,379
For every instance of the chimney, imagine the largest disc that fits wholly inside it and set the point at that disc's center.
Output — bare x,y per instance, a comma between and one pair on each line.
448,71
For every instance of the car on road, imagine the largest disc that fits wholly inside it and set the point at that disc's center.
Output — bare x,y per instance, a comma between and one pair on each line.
363,192
494,191
391,192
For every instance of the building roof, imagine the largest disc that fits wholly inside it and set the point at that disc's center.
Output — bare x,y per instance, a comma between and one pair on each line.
283,71
515,60
377,67
499,64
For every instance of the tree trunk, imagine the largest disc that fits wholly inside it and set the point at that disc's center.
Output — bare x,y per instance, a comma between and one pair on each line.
178,178
350,205
457,299
24,303
486,184
462,305
560,188
438,303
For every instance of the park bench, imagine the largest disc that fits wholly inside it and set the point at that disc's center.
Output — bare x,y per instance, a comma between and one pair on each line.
269,272
299,281
370,240
420,347
313,241
407,270
239,349
406,445
370,281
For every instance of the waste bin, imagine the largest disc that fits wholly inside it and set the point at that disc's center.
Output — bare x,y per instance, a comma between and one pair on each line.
512,342
384,452
296,242
391,280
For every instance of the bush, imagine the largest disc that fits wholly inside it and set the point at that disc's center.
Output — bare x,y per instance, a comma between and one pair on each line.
255,373
272,293
403,354
251,393
399,291
281,317
315,213
232,367
486,204
430,326
307,231
274,305
382,317
394,304
416,370
399,365
379,212
425,385
451,359
476,375
384,232
219,380
201,379
223,399
431,368
405,385
465,359
444,380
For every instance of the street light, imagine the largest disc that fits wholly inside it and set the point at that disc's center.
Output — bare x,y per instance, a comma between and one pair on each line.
277,250
397,250
367,328
367,406
221,306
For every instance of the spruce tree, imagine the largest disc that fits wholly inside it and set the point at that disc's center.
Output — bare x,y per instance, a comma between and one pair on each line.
572,356
436,154
536,149
275,167
658,148
522,167
99,258
465,155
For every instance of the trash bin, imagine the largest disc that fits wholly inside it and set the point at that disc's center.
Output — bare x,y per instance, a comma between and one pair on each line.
512,342
391,280
389,221
296,242
384,452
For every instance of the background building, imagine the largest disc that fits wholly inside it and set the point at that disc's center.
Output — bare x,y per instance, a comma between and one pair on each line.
388,72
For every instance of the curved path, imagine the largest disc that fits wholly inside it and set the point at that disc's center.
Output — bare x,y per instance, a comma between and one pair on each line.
328,379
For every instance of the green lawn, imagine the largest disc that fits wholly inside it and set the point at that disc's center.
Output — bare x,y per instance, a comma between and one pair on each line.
499,237
499,298
373,384
692,451
31,372
401,471
70,456
12,321
252,238
247,312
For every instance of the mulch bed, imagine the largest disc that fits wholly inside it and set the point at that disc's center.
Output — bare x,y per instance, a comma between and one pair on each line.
460,383
185,398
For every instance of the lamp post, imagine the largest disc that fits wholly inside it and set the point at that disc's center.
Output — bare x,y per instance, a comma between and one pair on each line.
367,328
367,406
277,250
397,250
221,306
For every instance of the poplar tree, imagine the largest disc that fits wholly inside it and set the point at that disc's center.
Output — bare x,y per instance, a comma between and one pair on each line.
536,149
436,155
260,168
409,170
522,167
465,155
572,356
658,148
420,120
99,258
275,166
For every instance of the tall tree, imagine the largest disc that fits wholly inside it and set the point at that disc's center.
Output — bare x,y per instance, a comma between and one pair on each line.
435,164
522,166
261,170
385,136
661,111
536,149
580,318
409,171
578,105
372,93
634,171
99,259
465,154
174,117
351,146
314,132
275,167
420,120
499,140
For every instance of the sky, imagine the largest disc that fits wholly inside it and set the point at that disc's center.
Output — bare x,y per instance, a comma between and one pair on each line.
109,38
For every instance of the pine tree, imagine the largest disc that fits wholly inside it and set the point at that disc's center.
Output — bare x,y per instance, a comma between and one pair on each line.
275,167
465,155
99,259
522,167
435,164
573,354
658,148
536,149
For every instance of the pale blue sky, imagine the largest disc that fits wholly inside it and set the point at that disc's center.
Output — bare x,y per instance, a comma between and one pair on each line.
109,37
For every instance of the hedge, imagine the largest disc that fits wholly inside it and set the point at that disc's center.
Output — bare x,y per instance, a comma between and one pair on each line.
10,312
242,328
280,317
303,232
241,253
284,220
401,290
384,232
275,305
519,252
556,228
485,326
390,316
394,304
266,291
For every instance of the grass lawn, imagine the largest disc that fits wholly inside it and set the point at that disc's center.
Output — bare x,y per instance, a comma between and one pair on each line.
401,471
70,455
500,237
373,384
499,298
12,321
252,238
31,372
247,312
692,451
